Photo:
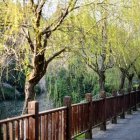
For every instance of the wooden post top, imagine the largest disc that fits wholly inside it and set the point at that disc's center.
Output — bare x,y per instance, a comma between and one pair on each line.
67,101
102,94
121,91
114,93
88,97
33,107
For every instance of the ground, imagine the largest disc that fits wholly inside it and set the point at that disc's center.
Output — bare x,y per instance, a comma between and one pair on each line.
126,129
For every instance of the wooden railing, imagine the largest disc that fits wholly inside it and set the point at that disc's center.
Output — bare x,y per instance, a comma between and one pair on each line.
68,122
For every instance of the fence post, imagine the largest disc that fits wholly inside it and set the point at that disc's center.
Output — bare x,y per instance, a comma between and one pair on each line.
122,116
103,125
129,110
135,92
0,132
138,96
33,108
114,94
88,134
67,102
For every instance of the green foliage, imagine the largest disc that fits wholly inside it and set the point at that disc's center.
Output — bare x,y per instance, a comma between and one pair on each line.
12,76
8,92
80,137
76,80
72,81
82,33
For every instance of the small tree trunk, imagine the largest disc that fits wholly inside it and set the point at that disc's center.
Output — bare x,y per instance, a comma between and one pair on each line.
130,78
102,81
130,82
122,77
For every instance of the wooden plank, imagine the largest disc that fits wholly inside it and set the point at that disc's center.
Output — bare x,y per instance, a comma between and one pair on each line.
11,131
49,127
42,128
5,131
1,131
72,119
81,117
16,118
88,134
27,128
64,124
53,126
39,127
17,132
67,102
78,119
60,125
46,118
74,113
22,129
33,108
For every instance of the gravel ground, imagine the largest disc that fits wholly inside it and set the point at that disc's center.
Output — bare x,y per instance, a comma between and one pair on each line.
125,129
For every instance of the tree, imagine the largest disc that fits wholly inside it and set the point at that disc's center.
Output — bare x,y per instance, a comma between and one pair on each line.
94,45
126,52
29,21
126,55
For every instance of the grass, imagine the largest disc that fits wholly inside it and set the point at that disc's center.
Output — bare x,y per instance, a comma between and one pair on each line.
81,137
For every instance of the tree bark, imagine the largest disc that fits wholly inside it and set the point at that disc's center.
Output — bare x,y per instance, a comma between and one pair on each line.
130,84
38,45
130,78
102,65
40,65
39,70
29,95
122,78
102,80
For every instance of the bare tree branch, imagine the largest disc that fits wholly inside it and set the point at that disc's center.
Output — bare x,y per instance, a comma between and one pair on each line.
92,66
55,55
28,37
39,12
54,26
88,4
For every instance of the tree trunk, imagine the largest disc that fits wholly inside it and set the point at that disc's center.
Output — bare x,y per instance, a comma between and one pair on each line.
102,81
138,80
130,84
29,95
38,71
102,65
130,78
122,77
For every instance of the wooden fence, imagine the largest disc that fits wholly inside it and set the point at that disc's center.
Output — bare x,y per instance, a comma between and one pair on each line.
68,122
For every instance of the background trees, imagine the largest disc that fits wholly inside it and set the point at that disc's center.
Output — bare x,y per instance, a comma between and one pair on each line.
99,38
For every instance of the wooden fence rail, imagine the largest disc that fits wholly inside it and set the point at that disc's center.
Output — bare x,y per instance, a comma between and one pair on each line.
69,121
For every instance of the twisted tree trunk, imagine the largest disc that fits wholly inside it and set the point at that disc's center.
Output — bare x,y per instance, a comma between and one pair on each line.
40,65
38,71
